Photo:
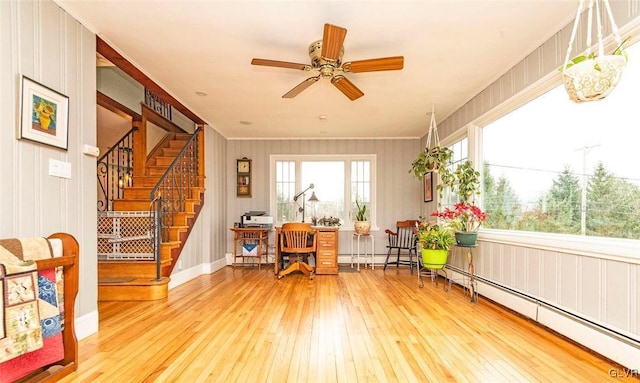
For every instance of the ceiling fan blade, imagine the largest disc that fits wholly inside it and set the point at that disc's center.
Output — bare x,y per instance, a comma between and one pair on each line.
300,87
280,64
332,41
372,65
347,87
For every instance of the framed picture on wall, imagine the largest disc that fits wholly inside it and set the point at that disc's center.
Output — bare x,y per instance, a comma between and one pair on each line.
243,177
44,115
427,179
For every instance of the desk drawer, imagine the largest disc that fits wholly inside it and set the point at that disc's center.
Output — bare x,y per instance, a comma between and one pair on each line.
326,258
325,263
326,254
327,236
326,245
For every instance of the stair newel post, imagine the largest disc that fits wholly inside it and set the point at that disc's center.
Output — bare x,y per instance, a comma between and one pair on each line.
140,146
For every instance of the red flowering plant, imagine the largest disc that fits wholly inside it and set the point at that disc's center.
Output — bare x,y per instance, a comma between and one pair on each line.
463,217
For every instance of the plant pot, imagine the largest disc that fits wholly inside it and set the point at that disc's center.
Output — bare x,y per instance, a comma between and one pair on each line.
434,259
593,79
362,227
466,238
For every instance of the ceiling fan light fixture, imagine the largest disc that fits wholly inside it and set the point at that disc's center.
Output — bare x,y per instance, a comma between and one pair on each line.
318,61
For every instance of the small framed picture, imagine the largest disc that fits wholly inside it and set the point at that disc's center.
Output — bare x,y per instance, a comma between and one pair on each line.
44,115
427,179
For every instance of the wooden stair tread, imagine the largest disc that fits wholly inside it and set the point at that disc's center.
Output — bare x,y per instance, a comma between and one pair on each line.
124,281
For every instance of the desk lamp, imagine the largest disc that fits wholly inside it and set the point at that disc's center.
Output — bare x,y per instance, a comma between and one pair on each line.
313,199
295,199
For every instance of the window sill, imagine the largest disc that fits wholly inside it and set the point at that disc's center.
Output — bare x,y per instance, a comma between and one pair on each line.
624,250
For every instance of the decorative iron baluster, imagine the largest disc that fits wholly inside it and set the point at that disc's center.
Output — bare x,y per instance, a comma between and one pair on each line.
115,172
177,184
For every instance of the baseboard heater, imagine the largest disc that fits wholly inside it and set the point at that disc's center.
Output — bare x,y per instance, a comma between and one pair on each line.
608,342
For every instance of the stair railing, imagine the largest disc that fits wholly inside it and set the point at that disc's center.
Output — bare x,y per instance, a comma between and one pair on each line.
177,185
115,172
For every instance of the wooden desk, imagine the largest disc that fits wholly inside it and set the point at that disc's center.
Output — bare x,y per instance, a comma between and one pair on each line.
255,235
326,250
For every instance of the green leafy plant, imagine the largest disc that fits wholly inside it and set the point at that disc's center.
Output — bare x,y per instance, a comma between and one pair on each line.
467,181
619,51
437,158
361,212
434,236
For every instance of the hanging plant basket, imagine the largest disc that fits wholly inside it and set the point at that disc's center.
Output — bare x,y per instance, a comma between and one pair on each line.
593,75
434,157
594,79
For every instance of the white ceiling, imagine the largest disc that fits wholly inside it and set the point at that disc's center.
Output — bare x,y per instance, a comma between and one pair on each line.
452,50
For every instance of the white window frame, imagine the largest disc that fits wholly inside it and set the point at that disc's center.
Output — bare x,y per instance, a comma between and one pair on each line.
346,158
617,249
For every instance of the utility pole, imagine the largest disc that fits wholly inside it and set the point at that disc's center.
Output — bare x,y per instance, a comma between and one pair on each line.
583,206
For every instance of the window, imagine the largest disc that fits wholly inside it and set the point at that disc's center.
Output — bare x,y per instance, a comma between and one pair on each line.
337,182
555,166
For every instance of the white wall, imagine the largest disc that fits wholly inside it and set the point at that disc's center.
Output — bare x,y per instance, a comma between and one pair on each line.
398,193
41,41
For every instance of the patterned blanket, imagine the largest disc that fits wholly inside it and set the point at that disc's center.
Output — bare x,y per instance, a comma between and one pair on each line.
21,332
31,310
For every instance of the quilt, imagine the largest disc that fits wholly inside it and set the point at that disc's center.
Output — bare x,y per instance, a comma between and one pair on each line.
31,299
21,331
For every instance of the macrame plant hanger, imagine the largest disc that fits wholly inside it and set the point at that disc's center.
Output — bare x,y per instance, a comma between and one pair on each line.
596,75
433,130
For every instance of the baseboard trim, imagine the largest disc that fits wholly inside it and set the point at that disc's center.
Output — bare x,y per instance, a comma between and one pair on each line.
600,340
186,275
86,325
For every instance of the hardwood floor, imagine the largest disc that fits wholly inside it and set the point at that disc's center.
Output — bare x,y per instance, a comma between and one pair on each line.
372,326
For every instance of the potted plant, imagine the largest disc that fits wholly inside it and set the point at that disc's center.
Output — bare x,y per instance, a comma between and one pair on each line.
465,219
361,225
435,241
436,158
591,77
466,180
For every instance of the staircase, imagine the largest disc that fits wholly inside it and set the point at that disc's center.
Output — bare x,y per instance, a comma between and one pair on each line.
120,279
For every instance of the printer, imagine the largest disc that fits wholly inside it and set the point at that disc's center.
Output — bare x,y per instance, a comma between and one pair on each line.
259,219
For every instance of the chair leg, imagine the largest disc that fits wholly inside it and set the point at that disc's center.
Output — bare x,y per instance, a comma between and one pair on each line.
386,261
411,261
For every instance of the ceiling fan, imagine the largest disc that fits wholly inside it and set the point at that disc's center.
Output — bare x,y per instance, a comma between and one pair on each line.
326,58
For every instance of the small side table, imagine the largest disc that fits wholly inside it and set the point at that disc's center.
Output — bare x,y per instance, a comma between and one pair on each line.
469,282
257,236
356,238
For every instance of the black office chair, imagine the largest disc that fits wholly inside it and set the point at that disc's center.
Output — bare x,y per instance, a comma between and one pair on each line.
403,242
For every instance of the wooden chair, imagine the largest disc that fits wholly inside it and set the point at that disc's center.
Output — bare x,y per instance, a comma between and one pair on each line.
403,242
297,241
